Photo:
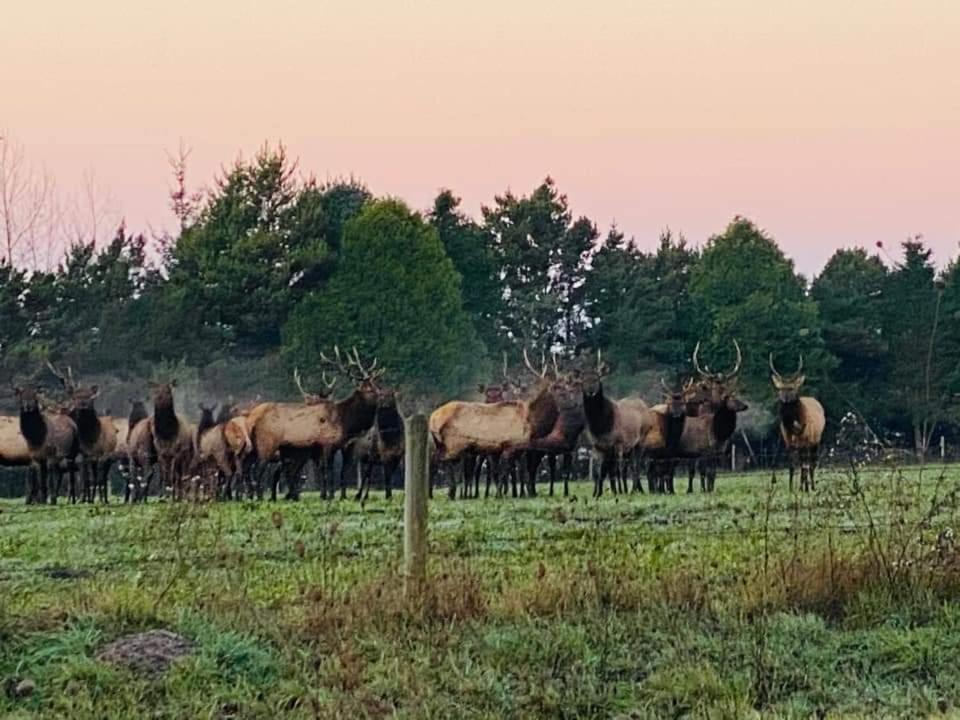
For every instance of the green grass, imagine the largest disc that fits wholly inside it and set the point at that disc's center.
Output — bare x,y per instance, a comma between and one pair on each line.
749,602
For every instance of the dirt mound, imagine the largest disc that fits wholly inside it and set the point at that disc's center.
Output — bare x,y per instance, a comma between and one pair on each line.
150,653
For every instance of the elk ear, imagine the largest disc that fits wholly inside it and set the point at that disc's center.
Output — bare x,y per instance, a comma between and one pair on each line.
482,388
799,380
737,405
777,383
95,389
173,383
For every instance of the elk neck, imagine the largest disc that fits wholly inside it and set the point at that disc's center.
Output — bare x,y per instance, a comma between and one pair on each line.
33,426
599,412
543,413
356,414
723,424
674,429
88,426
791,414
389,424
165,422
571,424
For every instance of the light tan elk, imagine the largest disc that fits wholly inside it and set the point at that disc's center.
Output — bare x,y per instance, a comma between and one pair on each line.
617,429
671,415
501,428
51,441
802,421
172,439
96,438
14,451
213,459
706,436
141,453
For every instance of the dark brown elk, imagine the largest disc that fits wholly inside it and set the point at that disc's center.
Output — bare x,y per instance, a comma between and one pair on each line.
355,415
617,429
51,441
503,428
802,422
706,436
172,439
381,446
563,438
96,437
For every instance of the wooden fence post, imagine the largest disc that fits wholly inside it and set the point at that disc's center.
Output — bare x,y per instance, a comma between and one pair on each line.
416,488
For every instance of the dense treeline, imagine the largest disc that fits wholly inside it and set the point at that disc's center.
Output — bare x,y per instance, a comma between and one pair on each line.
268,268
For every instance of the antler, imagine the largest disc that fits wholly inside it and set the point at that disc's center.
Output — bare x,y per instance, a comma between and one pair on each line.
296,379
800,366
505,376
739,363
666,388
328,384
66,380
337,362
696,362
526,360
773,368
556,367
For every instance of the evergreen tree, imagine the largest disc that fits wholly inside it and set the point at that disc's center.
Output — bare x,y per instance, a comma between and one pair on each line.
394,294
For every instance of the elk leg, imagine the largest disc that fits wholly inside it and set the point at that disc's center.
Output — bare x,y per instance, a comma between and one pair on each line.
552,464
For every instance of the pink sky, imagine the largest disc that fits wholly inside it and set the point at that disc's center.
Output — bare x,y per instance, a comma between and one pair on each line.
830,124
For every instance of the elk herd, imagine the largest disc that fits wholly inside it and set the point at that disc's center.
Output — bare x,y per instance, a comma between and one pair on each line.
549,413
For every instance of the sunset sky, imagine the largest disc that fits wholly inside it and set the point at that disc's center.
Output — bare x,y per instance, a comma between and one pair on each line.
828,123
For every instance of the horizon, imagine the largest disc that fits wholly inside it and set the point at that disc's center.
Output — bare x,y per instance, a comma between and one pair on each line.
829,127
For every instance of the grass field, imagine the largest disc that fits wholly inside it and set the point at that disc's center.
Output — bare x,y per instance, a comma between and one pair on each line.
750,602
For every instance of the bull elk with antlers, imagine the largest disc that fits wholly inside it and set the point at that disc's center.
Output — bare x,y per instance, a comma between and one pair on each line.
96,437
562,439
706,437
500,429
381,446
289,433
802,422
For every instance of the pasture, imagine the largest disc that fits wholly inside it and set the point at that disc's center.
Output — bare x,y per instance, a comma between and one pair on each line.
749,602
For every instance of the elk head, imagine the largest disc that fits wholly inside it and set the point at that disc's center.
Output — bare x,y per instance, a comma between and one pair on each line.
79,398
366,378
719,389
315,398
496,393
677,399
28,398
788,389
163,394
591,379
566,386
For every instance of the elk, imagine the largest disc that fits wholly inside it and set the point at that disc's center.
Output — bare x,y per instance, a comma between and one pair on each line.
172,438
616,428
356,414
706,436
51,442
213,454
502,428
96,436
14,451
382,445
140,451
505,389
316,429
671,416
802,421
562,439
